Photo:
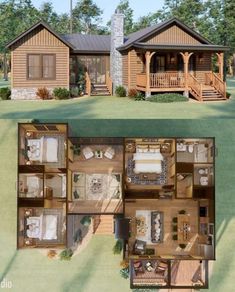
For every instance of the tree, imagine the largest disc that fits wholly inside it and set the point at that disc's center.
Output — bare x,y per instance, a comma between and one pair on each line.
125,8
86,17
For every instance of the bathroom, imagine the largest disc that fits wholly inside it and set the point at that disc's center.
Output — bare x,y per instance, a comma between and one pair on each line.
195,150
203,175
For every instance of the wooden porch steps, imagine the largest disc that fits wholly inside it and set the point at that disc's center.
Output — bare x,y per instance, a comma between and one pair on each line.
103,224
100,90
209,93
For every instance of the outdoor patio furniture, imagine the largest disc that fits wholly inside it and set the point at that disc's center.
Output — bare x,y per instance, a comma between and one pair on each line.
109,153
87,152
139,247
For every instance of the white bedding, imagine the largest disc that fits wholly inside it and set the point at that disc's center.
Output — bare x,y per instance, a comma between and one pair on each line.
44,149
148,162
43,227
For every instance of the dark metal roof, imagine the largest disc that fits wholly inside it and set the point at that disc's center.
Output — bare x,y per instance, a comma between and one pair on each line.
148,31
39,23
89,43
201,47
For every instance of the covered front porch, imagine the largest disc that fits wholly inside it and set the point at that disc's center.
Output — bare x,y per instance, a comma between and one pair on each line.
182,70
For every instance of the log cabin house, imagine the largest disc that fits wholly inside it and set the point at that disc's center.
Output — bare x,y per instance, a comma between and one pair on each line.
166,57
156,195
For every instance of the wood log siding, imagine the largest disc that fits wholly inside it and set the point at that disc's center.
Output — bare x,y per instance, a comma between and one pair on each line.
173,35
40,41
136,66
204,67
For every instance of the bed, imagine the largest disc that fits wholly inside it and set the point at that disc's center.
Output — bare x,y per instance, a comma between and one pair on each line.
147,160
34,186
42,150
43,227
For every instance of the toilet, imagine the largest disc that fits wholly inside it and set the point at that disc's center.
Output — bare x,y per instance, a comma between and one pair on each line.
190,148
203,171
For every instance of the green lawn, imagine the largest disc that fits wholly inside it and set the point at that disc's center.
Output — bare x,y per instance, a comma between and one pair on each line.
115,108
96,269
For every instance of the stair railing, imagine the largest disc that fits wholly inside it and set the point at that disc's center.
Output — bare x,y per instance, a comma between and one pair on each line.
109,83
88,84
219,84
196,87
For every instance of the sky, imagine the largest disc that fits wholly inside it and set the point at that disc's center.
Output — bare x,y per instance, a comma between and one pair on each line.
140,7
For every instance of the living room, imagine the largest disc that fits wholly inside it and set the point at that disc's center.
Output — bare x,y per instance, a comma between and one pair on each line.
95,170
163,228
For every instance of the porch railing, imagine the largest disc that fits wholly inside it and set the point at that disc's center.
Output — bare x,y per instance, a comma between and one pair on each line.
109,83
166,80
196,87
141,80
161,80
213,79
88,84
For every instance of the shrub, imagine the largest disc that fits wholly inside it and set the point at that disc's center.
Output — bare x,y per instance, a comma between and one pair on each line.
167,97
120,91
124,273
61,93
66,254
5,93
51,254
228,94
139,96
75,91
78,236
124,264
132,93
43,93
117,249
86,220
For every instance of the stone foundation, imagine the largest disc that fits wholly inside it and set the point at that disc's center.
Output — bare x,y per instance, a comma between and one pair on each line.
25,93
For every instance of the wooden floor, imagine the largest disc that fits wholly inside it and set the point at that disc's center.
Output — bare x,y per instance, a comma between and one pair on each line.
170,209
103,165
185,272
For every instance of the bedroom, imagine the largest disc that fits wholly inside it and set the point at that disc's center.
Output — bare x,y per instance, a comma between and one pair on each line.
42,227
95,173
149,164
43,144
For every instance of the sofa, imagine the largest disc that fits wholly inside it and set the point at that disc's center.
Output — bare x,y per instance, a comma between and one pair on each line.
156,226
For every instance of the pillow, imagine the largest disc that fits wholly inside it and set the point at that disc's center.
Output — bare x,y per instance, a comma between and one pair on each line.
142,148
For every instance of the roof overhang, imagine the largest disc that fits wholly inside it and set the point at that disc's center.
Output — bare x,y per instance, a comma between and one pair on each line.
90,52
163,26
43,24
166,47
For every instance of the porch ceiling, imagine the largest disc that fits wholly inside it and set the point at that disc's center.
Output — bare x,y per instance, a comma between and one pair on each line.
167,47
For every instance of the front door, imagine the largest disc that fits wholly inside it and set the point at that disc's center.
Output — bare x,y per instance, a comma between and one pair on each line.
96,68
158,64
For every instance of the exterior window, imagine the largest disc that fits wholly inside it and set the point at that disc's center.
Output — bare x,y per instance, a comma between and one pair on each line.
41,66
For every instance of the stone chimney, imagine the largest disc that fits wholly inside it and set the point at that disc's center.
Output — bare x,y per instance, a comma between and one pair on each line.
117,39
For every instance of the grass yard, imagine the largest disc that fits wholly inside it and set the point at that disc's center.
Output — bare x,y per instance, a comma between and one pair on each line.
96,268
117,107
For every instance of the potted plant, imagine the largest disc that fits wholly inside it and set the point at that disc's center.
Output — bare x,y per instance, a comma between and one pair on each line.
175,237
175,220
66,254
117,249
174,228
86,220
76,149
182,212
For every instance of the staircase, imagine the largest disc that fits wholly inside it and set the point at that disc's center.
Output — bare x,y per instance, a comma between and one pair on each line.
100,90
103,224
209,93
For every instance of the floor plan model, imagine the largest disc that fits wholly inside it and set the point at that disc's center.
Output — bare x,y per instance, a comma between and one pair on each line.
155,195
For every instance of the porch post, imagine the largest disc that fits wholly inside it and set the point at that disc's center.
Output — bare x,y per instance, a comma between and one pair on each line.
186,57
221,64
147,58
